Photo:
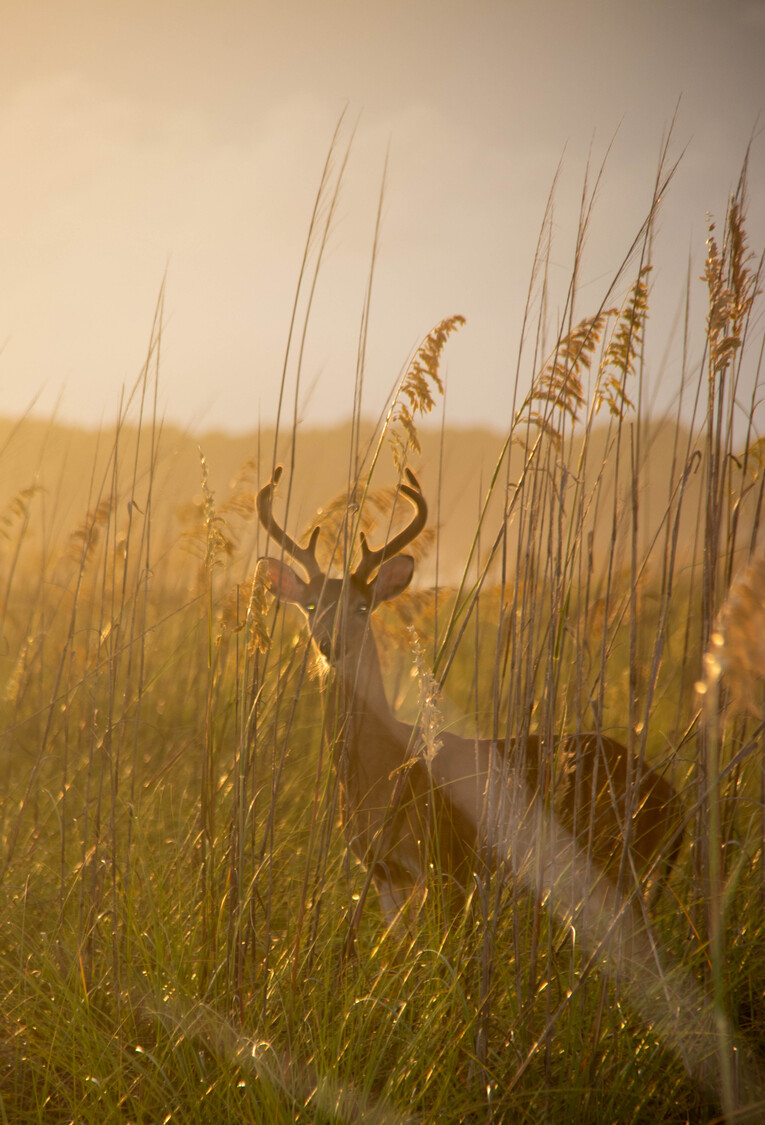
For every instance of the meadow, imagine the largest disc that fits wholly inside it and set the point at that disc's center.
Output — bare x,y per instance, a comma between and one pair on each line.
176,895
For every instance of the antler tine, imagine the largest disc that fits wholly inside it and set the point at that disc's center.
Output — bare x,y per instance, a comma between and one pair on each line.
305,556
371,560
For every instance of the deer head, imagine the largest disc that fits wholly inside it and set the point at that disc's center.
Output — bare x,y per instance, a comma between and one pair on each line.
338,609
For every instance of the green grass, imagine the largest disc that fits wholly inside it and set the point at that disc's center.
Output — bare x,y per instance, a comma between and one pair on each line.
176,893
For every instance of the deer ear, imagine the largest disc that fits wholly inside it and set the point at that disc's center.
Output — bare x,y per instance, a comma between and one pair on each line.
287,586
393,577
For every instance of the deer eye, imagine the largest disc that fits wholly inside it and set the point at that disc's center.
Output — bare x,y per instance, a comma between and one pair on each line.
311,607
362,609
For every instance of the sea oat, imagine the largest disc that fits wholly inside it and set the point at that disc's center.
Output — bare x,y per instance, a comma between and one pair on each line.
209,536
737,646
17,509
18,674
336,519
430,721
623,349
258,638
414,395
375,515
241,501
84,539
732,290
236,614
557,391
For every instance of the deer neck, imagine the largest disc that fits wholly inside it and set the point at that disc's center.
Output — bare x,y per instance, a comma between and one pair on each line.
359,698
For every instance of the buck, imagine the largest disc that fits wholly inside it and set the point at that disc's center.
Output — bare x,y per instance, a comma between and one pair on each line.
408,813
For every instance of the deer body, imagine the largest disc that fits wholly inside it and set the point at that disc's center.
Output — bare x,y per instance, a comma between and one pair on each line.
405,814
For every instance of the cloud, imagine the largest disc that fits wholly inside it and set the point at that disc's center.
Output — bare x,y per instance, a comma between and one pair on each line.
752,13
203,150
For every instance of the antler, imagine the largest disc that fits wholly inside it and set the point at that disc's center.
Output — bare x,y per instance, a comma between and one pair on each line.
371,560
305,556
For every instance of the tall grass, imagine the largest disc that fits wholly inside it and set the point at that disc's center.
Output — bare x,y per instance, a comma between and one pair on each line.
176,894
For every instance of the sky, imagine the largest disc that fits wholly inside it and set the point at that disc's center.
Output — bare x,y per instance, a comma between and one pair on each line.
183,141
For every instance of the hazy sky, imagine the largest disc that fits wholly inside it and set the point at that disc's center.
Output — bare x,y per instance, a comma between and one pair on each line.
188,136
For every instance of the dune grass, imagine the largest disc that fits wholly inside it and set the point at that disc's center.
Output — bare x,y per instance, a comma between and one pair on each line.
175,892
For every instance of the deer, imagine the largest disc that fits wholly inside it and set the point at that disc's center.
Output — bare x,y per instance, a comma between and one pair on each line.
407,813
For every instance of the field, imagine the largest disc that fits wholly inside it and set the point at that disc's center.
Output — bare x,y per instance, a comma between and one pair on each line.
176,894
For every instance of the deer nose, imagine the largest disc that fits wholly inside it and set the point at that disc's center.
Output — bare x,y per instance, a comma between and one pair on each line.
325,647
